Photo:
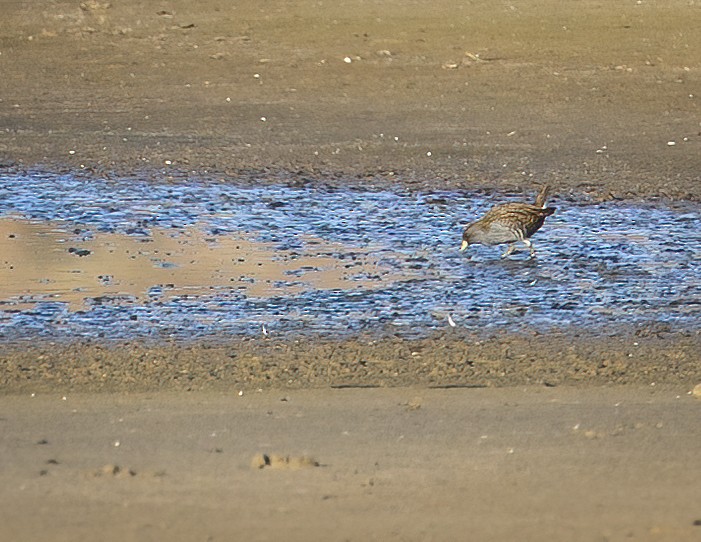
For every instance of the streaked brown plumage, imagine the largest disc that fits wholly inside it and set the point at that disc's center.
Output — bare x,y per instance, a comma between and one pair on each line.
509,223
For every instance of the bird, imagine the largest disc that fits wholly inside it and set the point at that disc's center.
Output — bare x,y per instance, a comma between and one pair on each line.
509,223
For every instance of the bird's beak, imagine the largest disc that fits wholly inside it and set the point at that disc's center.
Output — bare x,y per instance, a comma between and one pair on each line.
463,246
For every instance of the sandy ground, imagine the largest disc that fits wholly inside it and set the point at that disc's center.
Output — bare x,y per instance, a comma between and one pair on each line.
599,98
400,464
588,436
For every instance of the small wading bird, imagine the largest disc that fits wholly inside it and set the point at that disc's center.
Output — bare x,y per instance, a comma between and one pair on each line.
509,223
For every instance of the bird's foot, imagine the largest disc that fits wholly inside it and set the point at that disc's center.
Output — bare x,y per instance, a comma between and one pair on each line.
508,251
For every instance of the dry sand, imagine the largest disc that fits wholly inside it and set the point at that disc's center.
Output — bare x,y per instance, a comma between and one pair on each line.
395,464
598,98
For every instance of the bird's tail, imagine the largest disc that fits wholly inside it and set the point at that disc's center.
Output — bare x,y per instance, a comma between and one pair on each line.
542,196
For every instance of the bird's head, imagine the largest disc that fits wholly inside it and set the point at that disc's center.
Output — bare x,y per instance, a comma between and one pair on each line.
466,239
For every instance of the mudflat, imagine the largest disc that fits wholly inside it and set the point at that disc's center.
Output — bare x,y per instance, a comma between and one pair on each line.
596,98
576,435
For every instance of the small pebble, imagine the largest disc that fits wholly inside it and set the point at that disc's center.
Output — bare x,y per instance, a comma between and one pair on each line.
696,392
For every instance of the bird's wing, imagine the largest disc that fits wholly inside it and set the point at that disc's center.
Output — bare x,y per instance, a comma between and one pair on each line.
502,232
521,219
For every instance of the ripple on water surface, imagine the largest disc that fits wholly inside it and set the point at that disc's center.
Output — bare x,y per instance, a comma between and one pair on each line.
92,258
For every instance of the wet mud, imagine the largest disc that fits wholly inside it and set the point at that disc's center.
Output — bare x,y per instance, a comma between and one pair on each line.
338,152
594,97
47,262
371,282
196,261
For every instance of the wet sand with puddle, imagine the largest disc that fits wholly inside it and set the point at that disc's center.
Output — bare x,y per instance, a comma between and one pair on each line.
47,262
583,432
208,261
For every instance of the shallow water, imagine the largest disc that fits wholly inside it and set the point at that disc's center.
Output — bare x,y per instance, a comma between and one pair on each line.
93,258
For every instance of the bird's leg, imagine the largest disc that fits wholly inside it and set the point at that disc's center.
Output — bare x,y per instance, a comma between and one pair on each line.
512,247
529,244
